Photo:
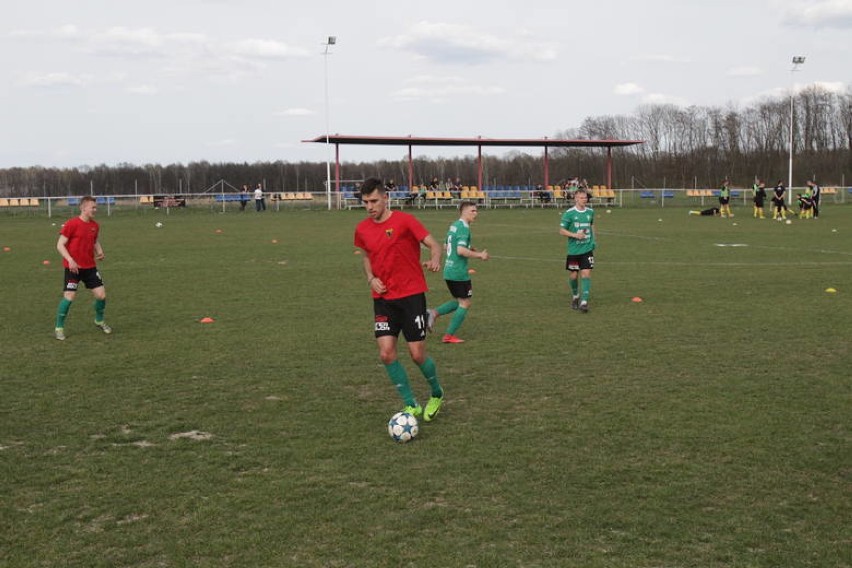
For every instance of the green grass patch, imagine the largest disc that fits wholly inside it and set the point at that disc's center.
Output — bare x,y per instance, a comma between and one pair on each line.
706,426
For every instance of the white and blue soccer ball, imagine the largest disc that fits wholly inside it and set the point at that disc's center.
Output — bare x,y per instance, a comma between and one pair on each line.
403,427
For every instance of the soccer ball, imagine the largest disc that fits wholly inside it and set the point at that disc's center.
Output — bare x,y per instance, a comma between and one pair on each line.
158,224
403,427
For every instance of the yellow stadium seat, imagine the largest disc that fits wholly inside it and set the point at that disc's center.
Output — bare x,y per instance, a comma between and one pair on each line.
4,202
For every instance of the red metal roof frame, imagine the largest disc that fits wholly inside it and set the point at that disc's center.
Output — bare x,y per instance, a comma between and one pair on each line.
479,142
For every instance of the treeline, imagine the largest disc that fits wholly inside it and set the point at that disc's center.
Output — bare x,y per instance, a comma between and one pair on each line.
684,147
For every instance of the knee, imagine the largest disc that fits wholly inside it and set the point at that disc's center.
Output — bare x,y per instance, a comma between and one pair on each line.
419,358
387,356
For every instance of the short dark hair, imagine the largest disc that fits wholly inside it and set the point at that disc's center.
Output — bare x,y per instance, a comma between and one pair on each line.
372,184
465,204
86,198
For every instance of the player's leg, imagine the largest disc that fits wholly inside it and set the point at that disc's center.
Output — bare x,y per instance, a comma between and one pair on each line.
458,319
415,334
61,313
387,325
572,265
94,282
585,288
462,292
69,292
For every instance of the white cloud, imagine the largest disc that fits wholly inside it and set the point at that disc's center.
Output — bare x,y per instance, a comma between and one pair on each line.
126,42
462,44
143,90
224,142
265,49
438,89
820,14
745,71
68,31
295,112
660,58
628,89
47,80
661,99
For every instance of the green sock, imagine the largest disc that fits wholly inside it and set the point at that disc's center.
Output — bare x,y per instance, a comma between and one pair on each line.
100,305
447,307
587,288
457,320
574,283
399,378
62,312
431,373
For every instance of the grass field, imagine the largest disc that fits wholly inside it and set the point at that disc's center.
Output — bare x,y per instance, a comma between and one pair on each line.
707,426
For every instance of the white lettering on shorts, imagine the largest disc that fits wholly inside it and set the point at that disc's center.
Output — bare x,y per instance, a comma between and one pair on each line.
382,326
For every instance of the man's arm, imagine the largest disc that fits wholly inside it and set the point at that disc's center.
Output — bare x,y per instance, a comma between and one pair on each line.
472,252
372,280
63,250
434,262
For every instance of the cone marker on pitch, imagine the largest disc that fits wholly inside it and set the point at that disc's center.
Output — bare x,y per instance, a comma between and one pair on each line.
830,290
206,320
636,299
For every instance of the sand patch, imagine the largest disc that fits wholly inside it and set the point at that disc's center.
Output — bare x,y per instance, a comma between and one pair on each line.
191,435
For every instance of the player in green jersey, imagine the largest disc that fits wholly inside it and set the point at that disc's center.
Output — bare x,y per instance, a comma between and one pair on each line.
577,224
456,273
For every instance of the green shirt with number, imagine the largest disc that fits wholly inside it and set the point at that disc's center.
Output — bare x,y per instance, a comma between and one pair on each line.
574,220
455,265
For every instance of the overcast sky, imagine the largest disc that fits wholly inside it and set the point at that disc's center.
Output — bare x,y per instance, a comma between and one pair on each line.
89,82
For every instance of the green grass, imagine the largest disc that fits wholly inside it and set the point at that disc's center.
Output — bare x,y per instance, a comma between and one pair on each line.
707,426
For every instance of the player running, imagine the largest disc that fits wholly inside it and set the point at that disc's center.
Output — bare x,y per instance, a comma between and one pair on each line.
456,273
577,224
391,242
80,248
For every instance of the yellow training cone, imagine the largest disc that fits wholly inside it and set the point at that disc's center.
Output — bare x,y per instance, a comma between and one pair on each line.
830,290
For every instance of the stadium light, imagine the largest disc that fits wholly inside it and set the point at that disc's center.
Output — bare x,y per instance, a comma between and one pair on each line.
797,60
332,40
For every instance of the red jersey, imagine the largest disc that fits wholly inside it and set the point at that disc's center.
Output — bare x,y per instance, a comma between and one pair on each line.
81,241
393,247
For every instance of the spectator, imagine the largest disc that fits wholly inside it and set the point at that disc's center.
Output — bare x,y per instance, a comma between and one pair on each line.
259,200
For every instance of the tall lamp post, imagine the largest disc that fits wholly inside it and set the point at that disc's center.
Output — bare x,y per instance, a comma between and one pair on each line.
332,40
797,60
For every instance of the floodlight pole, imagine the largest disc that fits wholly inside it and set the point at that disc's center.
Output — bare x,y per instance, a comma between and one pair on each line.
797,60
332,40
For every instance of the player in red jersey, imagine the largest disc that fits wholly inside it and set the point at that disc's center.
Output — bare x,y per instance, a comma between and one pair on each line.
80,248
391,243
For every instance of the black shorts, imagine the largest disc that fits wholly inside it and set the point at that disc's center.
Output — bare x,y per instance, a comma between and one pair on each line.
404,314
575,262
724,200
88,276
460,288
